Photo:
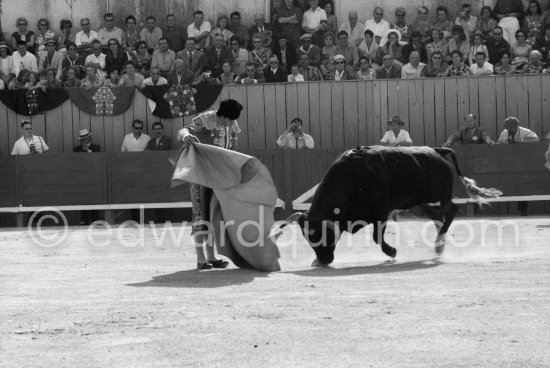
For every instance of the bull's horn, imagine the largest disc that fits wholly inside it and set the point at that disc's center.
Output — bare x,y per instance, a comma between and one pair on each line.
277,229
294,217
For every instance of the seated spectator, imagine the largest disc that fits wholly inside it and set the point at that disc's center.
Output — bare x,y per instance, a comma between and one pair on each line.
404,28
29,143
369,48
22,59
504,67
115,56
93,78
192,57
67,36
443,23
377,24
23,34
513,133
477,46
508,12
542,44
239,54
131,78
239,30
365,72
74,60
259,55
332,21
250,76
70,79
423,24
175,35
84,38
486,23
438,43
535,64
217,54
459,42
261,29
44,33
497,45
481,67
295,75
437,67
160,142
288,23
86,145
396,136
341,70
151,34
310,73
285,53
34,81
221,28
199,30
136,141
109,31
457,68
97,58
354,29
141,58
416,44
392,46
50,80
227,76
21,81
466,20
315,23
313,51
521,49
181,75
163,58
131,36
327,52
294,137
349,51
155,79
414,68
470,133
113,79
389,69
6,64
274,73
51,58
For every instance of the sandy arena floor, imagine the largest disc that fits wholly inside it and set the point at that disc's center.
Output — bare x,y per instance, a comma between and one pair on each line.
140,303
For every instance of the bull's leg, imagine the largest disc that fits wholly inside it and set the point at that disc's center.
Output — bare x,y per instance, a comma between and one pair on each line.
378,236
442,216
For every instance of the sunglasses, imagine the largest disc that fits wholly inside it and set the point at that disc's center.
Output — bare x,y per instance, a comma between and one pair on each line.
340,62
109,20
28,128
307,40
235,43
379,14
422,13
138,128
141,47
437,57
22,24
85,24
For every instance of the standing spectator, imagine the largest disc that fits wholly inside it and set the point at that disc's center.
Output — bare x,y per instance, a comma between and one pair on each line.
84,38
221,28
151,34
504,67
365,72
457,68
496,46
29,143
97,58
193,58
160,142
239,54
44,33
51,58
401,24
288,19
466,20
340,72
436,67
131,78
115,55
481,66
509,13
513,133
217,54
181,75
388,70
130,37
259,55
23,34
396,136
543,44
163,58
459,42
154,79
274,73
136,141
238,29
348,50
534,21
260,29
486,22
142,59
250,76
67,36
332,21
521,49
174,34
310,73
227,77
285,53
369,47
70,79
414,68
443,23
294,137
438,43
315,22
74,60
470,133
422,24
200,31
477,46
377,24
109,31
93,78
354,29
23,59
7,72
295,75
313,51
416,44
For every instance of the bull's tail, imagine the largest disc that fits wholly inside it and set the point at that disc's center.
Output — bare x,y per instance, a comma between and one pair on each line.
475,192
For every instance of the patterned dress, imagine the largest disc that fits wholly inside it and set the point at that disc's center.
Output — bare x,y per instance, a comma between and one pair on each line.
534,29
459,70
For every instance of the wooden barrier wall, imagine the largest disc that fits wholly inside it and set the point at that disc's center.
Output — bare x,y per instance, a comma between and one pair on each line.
337,114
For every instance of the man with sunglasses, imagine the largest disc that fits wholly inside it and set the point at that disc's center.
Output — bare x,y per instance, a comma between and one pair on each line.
312,51
496,46
109,31
84,38
29,143
274,73
389,69
136,141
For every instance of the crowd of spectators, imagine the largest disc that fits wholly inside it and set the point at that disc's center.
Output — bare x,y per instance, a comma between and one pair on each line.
303,42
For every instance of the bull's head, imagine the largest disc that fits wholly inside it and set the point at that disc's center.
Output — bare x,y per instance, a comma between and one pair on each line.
321,236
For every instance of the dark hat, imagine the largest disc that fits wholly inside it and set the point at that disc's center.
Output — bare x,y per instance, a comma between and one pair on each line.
396,119
230,109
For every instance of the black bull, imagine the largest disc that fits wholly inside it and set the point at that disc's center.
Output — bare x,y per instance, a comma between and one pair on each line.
365,184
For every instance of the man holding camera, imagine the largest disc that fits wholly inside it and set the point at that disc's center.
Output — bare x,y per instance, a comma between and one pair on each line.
29,143
294,137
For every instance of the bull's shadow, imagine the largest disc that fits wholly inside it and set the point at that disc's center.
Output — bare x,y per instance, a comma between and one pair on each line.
202,280
385,267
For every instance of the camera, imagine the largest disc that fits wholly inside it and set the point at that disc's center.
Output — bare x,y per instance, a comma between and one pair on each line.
32,148
207,74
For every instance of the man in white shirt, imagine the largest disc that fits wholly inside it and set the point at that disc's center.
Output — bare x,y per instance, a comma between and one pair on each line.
481,67
377,24
414,68
29,143
155,79
354,29
314,22
294,137
109,31
513,133
136,141
466,20
151,34
84,38
97,58
22,59
396,136
200,31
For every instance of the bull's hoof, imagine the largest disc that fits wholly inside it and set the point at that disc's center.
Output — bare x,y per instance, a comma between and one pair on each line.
316,263
439,248
390,252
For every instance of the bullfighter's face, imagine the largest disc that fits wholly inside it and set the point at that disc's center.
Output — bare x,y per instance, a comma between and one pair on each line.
321,236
